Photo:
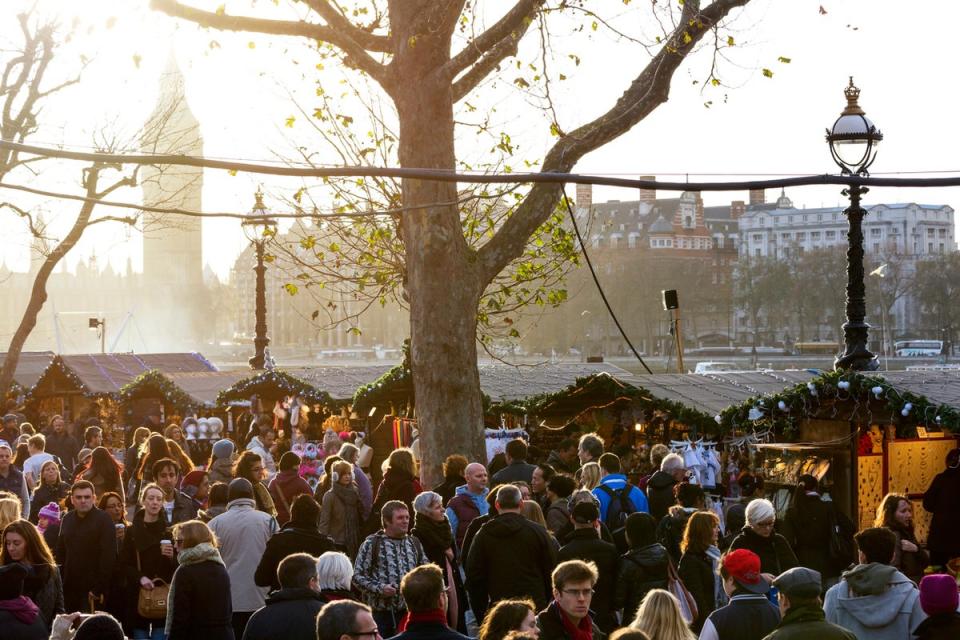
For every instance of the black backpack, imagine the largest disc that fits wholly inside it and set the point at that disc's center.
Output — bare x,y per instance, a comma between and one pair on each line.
620,506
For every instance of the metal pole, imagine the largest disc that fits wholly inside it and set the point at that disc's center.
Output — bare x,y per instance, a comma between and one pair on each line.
261,340
856,356
103,335
678,335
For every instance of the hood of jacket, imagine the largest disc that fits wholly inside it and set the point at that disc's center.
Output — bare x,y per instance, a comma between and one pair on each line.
291,594
881,593
478,498
661,480
241,503
650,555
505,525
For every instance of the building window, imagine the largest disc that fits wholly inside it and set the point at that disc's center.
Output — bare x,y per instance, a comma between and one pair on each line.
801,236
929,247
831,235
875,232
943,233
941,247
757,252
786,237
814,235
757,237
876,247
819,217
804,217
930,233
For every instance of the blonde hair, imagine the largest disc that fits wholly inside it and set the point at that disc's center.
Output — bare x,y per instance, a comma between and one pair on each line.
659,617
9,511
193,533
590,476
402,459
532,512
148,487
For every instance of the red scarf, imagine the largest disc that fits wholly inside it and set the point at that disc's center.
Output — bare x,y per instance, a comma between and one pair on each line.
582,631
435,615
22,608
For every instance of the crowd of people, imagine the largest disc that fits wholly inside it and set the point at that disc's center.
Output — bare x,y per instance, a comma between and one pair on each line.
239,547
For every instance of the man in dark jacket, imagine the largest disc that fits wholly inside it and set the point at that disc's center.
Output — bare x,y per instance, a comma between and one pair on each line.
88,547
179,506
300,535
586,545
291,611
642,568
511,557
568,616
749,615
801,613
426,597
62,444
660,486
941,499
517,469
564,458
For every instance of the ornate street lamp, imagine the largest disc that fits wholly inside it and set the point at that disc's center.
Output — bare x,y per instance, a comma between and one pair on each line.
853,143
259,228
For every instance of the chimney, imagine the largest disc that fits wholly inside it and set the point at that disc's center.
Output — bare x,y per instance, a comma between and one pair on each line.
584,196
648,195
758,196
737,208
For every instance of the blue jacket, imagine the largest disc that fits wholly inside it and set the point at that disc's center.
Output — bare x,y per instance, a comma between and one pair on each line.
479,499
616,482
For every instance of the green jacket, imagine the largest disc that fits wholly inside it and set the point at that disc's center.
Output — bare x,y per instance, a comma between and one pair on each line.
807,622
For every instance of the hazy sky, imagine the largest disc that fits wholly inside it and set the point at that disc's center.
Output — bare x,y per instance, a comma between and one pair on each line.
239,87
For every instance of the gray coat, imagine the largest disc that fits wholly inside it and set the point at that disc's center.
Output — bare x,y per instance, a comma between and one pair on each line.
243,533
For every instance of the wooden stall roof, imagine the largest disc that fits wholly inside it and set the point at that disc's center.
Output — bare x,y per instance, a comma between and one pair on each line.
204,386
341,382
30,367
939,387
505,383
105,374
711,394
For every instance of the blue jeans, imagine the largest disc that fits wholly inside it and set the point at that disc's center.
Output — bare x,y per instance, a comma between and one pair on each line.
156,633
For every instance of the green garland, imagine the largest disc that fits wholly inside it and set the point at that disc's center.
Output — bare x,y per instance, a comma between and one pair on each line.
153,383
783,412
394,387
274,379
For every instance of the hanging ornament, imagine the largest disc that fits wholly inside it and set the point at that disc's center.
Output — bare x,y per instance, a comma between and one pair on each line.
755,414
813,388
782,405
877,391
717,419
843,384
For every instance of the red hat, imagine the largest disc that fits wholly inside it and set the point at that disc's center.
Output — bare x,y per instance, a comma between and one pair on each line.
744,567
191,482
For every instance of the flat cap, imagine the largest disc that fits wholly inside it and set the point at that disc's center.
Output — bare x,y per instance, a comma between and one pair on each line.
799,582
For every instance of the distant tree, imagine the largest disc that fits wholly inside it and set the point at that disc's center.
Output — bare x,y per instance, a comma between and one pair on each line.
937,286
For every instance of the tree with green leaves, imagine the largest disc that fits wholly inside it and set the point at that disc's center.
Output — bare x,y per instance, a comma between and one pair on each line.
406,48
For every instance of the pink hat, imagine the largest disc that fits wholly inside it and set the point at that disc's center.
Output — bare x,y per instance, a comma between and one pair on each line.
938,594
51,511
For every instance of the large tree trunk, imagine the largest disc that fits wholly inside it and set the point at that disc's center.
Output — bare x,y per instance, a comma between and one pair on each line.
442,277
38,295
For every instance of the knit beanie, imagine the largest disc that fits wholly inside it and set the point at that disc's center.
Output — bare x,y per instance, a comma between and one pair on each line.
938,594
239,488
51,511
289,460
760,511
223,449
191,482
100,626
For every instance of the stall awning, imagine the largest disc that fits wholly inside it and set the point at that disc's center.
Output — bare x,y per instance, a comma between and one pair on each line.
105,374
30,367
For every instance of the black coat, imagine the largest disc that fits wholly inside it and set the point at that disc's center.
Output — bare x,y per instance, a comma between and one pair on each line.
696,572
941,500
516,471
13,629
290,614
63,446
586,545
943,626
88,548
202,608
510,557
142,540
448,488
670,531
292,538
775,553
640,571
43,495
806,527
429,631
660,493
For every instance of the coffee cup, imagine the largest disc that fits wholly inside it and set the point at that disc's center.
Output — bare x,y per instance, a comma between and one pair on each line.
166,543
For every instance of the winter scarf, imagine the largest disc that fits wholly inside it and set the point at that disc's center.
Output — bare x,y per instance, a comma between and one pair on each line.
719,595
433,534
348,496
582,631
436,615
22,609
194,555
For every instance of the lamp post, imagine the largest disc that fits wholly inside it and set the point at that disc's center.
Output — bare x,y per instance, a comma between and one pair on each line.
853,143
259,228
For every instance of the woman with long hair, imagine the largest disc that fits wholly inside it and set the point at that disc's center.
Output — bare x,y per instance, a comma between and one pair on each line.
199,604
175,432
50,489
23,543
507,616
131,457
250,466
326,480
9,509
399,482
104,472
700,562
340,509
155,448
144,559
896,513
590,476
659,617
116,602
432,528
180,457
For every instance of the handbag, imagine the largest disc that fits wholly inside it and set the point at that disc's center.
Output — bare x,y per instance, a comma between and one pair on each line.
688,605
152,603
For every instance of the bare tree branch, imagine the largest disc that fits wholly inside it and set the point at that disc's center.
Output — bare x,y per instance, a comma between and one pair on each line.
493,44
648,90
337,20
355,54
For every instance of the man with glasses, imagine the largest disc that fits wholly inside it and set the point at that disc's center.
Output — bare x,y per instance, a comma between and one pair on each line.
586,545
382,561
346,620
568,616
426,597
510,557
290,611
